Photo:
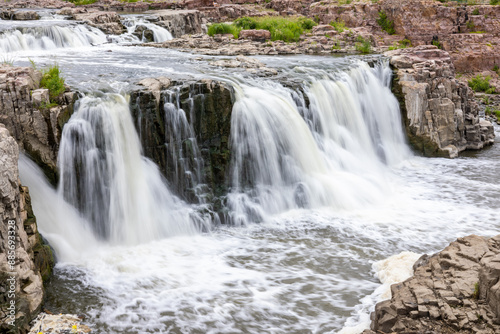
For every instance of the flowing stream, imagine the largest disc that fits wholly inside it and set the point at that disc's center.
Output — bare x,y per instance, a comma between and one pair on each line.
327,205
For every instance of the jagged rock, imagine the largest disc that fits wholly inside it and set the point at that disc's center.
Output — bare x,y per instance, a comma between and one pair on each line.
25,15
38,4
178,22
35,125
24,259
255,35
451,291
108,22
441,115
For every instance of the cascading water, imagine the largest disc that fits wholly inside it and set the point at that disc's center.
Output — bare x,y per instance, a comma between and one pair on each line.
184,161
50,37
140,27
334,154
104,175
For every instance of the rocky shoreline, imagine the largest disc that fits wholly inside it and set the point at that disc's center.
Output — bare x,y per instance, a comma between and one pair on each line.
453,291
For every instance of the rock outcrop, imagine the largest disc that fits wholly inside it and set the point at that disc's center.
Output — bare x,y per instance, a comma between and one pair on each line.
18,15
453,291
26,111
24,258
206,105
178,22
440,113
108,22
58,324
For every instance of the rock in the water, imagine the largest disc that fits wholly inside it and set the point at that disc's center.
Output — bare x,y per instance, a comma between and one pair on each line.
441,114
453,291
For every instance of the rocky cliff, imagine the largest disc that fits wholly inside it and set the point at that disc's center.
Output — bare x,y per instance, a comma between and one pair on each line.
454,291
27,113
188,120
25,261
440,113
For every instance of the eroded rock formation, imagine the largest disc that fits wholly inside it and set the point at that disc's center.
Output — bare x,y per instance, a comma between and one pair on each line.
26,112
207,106
24,258
440,113
453,291
178,22
108,22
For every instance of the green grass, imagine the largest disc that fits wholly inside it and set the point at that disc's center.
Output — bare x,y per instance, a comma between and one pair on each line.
285,29
475,12
223,28
494,2
363,45
338,25
437,43
481,84
52,80
386,24
402,44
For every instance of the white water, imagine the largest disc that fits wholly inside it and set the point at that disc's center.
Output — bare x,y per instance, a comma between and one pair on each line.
335,154
160,34
115,188
50,37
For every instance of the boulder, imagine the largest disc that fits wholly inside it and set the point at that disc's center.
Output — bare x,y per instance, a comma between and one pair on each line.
255,35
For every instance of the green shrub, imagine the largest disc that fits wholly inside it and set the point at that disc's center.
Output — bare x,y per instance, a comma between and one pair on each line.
437,43
402,44
494,2
363,45
52,80
470,25
481,84
475,12
223,28
386,24
338,25
281,28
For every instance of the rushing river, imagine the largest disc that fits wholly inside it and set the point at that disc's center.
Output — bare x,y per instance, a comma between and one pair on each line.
320,196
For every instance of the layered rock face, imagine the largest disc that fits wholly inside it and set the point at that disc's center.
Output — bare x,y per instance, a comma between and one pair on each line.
108,22
178,22
454,291
440,113
27,114
160,109
24,259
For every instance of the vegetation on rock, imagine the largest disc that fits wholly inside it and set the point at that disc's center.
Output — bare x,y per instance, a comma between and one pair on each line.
386,24
363,45
339,25
223,28
287,29
52,80
481,84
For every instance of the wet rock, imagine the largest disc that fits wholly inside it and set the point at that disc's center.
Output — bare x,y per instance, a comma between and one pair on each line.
255,35
108,22
143,33
441,114
36,125
208,106
22,274
25,15
452,291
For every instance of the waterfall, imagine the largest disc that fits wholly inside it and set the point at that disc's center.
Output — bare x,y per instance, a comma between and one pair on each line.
50,37
139,27
105,176
332,151
184,161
